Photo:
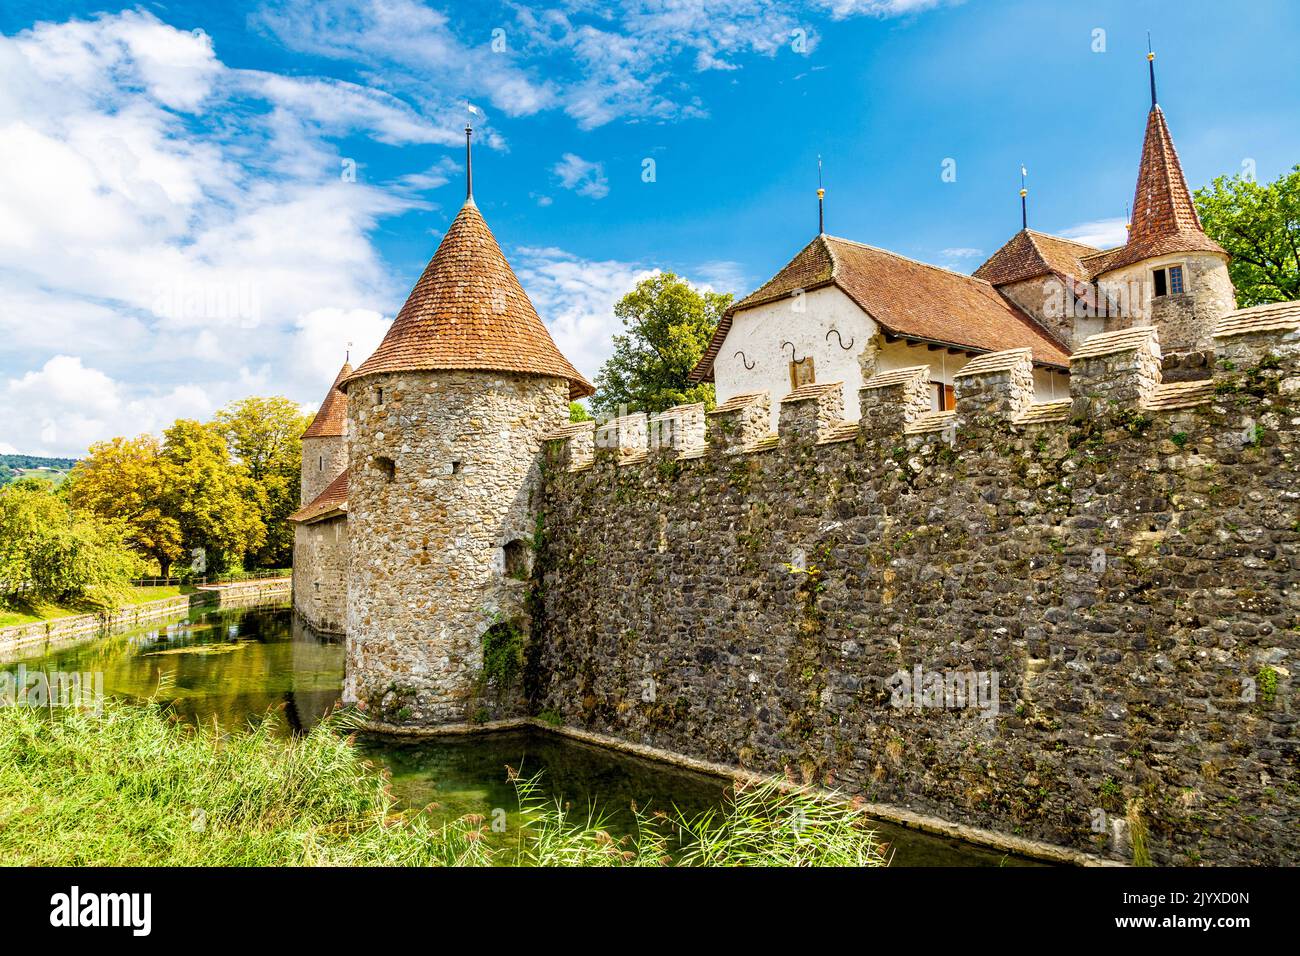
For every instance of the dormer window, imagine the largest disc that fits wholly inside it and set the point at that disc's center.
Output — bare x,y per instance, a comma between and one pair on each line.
1168,280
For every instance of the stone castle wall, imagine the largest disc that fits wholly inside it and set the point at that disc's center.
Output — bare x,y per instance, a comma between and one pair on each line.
444,469
1125,563
320,569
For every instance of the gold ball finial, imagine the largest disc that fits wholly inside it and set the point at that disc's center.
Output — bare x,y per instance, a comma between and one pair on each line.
1023,192
1151,56
821,194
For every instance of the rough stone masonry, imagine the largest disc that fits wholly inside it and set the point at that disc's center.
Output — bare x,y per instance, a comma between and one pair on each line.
1125,562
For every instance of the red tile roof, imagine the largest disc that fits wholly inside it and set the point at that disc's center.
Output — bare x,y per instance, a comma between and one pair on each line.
333,500
468,311
1164,215
908,299
331,419
1030,254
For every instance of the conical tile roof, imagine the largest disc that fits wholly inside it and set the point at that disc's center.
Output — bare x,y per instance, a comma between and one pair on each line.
468,311
1164,215
331,419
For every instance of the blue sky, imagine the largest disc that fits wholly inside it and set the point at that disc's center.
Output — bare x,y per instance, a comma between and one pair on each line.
179,225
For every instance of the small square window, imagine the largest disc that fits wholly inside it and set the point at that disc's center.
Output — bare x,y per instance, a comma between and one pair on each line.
1175,279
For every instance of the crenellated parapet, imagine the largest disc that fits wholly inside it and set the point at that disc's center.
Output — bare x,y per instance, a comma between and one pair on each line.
1114,376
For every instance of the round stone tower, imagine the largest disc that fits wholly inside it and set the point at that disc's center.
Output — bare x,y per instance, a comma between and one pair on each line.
446,424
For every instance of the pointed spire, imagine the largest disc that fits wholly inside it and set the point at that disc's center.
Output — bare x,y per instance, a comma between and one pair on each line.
1151,68
821,195
331,418
1164,217
468,311
1024,201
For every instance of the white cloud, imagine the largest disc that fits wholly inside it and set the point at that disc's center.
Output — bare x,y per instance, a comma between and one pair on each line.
66,406
962,252
585,178
596,63
162,259
1102,233
576,297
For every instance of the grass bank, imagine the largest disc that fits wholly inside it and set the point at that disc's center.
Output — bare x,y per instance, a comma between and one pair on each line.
131,787
33,613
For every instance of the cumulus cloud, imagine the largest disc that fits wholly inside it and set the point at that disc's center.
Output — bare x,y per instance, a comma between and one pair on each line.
153,258
583,177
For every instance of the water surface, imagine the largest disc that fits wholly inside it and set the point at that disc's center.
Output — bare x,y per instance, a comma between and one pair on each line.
225,668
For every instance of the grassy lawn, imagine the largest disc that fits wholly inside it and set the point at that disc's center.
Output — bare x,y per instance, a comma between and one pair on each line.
32,613
131,787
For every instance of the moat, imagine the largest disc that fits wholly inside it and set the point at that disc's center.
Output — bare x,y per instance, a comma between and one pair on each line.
227,668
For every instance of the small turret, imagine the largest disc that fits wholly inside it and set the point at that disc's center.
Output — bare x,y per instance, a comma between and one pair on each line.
1169,273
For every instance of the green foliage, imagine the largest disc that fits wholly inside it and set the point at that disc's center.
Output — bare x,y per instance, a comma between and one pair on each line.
762,825
216,503
1266,680
1259,226
127,481
133,788
53,470
578,412
503,656
52,553
264,436
668,325
149,791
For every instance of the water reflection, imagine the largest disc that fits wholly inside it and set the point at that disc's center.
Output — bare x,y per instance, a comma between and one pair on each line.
224,667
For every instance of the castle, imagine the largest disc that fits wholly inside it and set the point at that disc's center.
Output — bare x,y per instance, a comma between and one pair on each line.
905,467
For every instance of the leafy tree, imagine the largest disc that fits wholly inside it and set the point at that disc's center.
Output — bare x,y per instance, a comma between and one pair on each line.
669,325
126,480
50,552
1259,226
578,412
216,503
265,437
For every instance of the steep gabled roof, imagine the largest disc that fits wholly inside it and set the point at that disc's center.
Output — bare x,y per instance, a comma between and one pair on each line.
468,311
908,299
331,502
1164,215
332,417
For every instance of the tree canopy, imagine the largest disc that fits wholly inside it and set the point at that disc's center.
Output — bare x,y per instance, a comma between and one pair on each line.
1259,226
669,324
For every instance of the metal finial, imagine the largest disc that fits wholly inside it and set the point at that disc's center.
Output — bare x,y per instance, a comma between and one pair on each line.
1024,202
469,164
1151,68
821,195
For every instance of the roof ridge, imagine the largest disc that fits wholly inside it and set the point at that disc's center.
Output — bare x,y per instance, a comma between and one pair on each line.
915,262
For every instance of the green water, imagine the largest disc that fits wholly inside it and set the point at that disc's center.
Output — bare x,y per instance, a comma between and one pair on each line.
228,667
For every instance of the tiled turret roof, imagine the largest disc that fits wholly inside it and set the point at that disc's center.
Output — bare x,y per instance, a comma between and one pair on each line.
331,419
1164,215
468,311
